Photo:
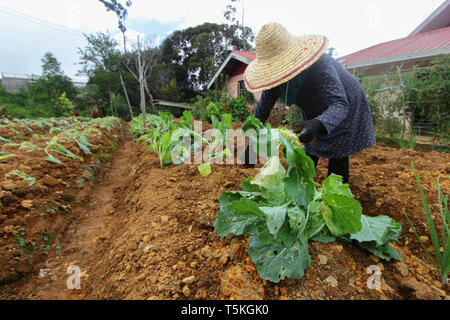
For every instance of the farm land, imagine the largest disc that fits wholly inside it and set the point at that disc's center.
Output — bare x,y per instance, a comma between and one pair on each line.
95,197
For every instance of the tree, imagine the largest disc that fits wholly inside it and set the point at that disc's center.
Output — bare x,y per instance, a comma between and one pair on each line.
121,12
230,15
50,65
103,63
53,84
143,66
100,54
194,54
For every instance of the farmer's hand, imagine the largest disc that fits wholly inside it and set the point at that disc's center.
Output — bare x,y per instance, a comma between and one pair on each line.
309,129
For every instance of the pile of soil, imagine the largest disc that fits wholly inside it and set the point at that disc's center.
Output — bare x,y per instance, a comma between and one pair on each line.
147,233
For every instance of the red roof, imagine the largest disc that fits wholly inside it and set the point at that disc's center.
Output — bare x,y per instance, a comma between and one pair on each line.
247,54
423,41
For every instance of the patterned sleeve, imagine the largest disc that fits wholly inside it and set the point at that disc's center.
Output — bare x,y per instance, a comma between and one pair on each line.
265,104
332,94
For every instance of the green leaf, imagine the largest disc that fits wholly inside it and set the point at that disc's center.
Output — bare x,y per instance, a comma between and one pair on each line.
270,175
430,222
286,236
247,185
333,184
385,251
297,219
31,181
6,155
324,236
64,151
276,262
204,169
51,158
270,180
315,221
380,229
296,157
186,120
84,148
299,187
342,214
275,218
238,217
252,124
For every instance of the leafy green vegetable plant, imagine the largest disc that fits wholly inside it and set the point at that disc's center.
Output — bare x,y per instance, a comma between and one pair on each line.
53,145
216,143
216,151
222,126
441,261
186,120
162,144
6,155
31,181
282,210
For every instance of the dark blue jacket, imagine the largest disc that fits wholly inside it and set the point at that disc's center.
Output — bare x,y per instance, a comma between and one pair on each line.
332,95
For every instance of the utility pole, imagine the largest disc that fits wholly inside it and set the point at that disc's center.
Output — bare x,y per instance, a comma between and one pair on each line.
141,84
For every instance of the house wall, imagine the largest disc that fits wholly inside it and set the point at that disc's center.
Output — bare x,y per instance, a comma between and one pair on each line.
13,85
233,84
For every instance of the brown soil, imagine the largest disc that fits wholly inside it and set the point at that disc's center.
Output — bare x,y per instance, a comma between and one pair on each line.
147,233
33,218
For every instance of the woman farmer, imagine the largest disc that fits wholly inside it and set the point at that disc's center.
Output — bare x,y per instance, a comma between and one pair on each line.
336,117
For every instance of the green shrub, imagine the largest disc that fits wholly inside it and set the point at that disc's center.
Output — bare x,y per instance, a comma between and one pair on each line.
64,105
218,104
238,109
293,116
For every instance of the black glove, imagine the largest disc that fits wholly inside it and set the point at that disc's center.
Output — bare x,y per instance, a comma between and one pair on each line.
309,129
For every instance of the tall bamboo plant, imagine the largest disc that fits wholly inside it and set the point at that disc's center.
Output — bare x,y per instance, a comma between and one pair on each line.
441,261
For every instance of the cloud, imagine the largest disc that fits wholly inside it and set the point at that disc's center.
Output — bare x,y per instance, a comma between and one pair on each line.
152,28
183,13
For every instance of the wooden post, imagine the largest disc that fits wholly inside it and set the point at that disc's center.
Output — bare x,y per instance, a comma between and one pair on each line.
403,102
126,95
111,103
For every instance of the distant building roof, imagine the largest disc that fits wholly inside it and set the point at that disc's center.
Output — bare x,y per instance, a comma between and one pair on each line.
235,56
430,41
247,54
173,104
438,19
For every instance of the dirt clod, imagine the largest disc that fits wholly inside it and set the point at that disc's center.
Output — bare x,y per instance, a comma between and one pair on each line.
188,280
332,281
237,284
322,259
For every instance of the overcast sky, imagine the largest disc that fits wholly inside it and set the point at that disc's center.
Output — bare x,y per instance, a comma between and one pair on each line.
31,28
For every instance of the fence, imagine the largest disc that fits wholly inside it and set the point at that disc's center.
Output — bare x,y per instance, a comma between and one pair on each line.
408,102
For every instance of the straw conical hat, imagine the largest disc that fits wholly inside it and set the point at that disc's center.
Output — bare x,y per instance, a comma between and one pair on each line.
280,57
